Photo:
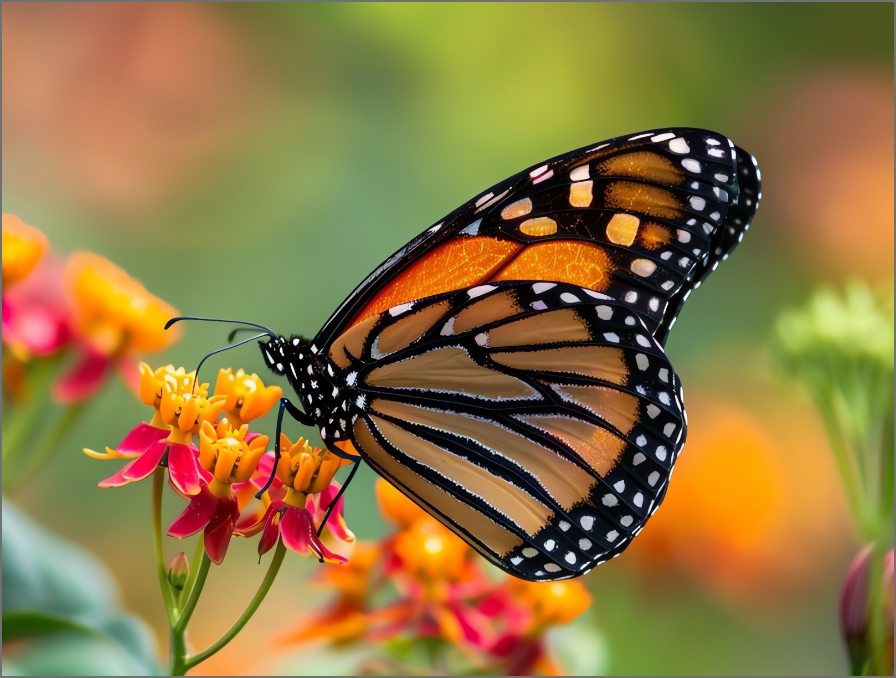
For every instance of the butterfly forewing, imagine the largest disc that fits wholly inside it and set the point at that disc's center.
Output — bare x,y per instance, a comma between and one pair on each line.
539,421
637,218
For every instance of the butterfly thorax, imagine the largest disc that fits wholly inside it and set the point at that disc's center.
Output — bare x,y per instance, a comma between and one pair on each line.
321,386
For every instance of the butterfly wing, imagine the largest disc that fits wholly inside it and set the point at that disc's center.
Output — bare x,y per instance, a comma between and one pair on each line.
638,218
725,238
539,421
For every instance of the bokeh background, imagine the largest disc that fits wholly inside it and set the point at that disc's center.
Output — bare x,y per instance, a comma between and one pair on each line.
257,161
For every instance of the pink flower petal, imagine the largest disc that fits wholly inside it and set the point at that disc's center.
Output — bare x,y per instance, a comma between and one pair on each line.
119,478
140,439
183,468
298,533
84,379
196,516
336,522
467,620
147,463
271,529
220,529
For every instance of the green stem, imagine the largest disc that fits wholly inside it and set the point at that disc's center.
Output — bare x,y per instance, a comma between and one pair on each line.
178,648
190,606
195,564
158,484
50,443
19,429
273,569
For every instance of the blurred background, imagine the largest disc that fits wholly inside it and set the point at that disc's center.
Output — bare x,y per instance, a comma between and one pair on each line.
258,161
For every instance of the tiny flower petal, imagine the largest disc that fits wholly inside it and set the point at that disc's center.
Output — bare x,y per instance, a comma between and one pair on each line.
183,468
220,529
119,478
140,439
146,464
195,517
298,533
271,528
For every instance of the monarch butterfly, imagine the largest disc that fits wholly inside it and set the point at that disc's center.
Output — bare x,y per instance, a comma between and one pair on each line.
505,369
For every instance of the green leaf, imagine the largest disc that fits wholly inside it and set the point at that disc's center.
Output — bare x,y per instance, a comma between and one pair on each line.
17,625
63,603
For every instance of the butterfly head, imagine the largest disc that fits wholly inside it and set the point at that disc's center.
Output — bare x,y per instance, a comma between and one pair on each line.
280,353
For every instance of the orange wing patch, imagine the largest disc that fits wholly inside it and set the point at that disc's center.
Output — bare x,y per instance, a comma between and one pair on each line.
572,261
641,165
459,263
644,198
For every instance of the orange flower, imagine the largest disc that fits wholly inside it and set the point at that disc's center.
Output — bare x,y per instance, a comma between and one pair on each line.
304,470
23,247
115,313
550,603
432,554
247,397
185,412
115,317
396,506
345,619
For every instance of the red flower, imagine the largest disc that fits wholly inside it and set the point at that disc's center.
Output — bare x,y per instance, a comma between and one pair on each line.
226,459
215,515
296,527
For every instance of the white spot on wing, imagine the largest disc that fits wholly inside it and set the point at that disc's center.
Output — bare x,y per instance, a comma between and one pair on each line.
472,229
542,287
679,145
582,173
479,291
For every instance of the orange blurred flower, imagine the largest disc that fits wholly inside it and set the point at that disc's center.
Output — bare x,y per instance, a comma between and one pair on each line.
116,318
445,598
23,247
751,508
550,603
115,313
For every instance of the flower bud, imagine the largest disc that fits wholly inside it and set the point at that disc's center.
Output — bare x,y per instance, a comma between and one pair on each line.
855,609
178,572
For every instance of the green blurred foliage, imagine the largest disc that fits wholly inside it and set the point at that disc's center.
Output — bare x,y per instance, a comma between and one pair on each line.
61,613
375,120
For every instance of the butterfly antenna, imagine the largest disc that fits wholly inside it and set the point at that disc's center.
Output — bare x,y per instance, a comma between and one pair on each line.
268,331
236,331
219,350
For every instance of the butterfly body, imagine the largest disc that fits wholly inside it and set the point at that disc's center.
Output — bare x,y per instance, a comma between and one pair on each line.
506,370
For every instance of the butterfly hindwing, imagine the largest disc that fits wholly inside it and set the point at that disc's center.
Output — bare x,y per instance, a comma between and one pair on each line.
540,421
638,218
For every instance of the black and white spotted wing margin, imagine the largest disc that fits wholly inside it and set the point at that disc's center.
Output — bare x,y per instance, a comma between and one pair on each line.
539,421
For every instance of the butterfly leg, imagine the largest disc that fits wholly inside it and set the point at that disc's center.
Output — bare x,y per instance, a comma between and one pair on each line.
299,416
355,464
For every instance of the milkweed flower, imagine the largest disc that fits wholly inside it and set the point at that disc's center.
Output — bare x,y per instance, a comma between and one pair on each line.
23,247
303,471
115,318
246,396
346,619
228,458
183,408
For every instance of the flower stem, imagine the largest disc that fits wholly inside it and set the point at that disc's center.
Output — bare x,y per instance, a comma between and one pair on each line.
26,416
181,626
273,569
50,442
158,484
178,648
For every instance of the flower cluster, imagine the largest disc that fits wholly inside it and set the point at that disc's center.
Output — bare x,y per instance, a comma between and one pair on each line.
221,476
85,305
447,601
